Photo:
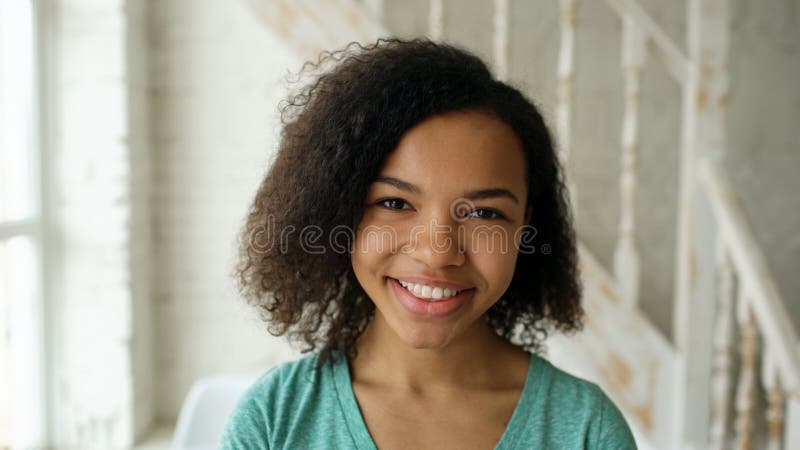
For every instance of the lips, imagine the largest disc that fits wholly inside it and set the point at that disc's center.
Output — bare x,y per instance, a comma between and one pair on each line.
429,307
456,286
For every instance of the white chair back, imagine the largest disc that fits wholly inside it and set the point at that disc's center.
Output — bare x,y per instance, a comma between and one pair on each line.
205,410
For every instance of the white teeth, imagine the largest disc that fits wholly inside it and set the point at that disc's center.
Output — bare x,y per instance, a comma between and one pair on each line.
420,290
426,291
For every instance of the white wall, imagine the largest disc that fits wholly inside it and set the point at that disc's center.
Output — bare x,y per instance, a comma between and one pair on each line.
93,139
215,82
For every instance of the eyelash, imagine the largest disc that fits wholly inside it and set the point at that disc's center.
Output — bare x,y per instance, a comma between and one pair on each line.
497,214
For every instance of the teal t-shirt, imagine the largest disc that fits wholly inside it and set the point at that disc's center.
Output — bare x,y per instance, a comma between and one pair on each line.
293,406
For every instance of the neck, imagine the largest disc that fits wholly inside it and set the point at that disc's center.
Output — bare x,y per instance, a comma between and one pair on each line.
478,359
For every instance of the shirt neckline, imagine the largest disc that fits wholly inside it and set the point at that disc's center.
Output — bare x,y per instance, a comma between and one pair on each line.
363,440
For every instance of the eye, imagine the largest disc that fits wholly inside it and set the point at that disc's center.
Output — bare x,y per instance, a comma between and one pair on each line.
394,203
486,213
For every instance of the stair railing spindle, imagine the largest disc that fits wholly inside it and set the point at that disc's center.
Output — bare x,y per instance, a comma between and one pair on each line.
436,20
566,58
500,39
626,258
746,388
775,400
723,346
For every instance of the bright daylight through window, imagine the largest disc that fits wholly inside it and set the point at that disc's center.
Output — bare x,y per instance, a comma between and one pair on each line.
21,351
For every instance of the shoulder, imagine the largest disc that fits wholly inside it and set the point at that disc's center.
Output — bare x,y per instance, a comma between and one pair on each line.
253,418
568,387
290,374
574,403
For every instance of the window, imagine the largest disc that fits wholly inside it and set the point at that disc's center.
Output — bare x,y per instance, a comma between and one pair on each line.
21,317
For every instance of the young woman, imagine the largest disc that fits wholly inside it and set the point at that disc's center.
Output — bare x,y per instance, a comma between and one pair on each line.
414,233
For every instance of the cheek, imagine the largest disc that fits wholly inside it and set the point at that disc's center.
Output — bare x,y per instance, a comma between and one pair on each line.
498,270
494,255
378,237
363,258
490,241
373,245
364,264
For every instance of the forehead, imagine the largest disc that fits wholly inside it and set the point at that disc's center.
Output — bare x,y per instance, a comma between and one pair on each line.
458,150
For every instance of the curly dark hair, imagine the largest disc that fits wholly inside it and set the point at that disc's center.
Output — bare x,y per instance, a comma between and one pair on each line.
337,131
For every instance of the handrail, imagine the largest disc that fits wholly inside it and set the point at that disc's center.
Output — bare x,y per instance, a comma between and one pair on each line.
674,58
746,256
312,27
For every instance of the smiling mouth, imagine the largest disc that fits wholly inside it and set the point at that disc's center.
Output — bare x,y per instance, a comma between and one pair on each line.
430,307
429,293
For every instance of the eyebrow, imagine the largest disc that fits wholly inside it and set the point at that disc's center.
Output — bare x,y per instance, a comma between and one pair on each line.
479,194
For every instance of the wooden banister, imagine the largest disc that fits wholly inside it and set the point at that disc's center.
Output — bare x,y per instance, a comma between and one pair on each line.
750,266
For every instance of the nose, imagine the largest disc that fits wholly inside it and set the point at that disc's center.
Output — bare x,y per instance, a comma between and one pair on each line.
437,242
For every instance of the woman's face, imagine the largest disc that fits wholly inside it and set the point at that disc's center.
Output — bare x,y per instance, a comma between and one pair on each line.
437,244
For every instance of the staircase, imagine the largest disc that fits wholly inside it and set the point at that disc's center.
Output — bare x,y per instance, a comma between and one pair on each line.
682,394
